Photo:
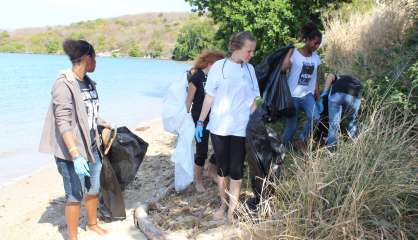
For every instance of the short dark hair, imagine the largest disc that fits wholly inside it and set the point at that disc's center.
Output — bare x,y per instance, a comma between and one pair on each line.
309,31
75,49
237,40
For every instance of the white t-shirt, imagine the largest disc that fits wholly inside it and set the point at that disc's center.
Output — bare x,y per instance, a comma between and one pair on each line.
234,88
303,73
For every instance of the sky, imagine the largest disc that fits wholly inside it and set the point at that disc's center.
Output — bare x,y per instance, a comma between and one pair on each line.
38,13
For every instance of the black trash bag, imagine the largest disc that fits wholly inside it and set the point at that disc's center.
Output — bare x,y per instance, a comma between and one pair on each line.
321,131
119,168
278,99
274,89
265,154
265,68
112,205
126,155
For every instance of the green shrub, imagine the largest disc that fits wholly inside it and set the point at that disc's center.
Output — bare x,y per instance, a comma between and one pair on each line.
274,23
52,46
12,47
4,35
134,50
194,37
77,36
155,49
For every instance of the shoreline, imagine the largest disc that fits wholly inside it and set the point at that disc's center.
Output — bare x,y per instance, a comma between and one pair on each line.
104,56
51,164
37,201
21,178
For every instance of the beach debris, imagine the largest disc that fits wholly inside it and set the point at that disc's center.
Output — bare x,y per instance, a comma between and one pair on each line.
150,231
141,129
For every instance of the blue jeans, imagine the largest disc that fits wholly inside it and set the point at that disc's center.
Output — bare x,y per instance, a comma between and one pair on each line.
307,104
338,102
76,186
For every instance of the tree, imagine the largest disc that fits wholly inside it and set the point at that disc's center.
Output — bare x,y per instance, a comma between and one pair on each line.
134,50
4,36
155,48
52,46
273,22
193,38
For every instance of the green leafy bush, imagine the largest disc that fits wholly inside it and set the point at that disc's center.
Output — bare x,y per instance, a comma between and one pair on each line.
155,49
194,37
134,50
274,23
52,46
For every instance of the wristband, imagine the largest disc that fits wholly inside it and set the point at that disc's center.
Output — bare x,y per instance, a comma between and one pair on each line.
199,123
72,149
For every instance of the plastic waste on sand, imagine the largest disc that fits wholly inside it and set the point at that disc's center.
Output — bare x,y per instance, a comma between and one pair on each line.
176,120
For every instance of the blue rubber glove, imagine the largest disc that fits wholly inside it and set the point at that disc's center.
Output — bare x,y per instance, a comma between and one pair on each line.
81,166
198,132
320,106
324,93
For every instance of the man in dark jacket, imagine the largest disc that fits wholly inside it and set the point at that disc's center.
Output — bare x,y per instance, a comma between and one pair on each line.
344,95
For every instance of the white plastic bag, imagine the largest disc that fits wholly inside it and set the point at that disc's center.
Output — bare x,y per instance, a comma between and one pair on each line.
183,156
174,109
176,120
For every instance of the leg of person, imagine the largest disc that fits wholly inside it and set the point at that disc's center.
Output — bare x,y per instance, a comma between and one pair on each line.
353,105
334,111
73,186
291,125
236,167
72,214
200,158
312,116
212,169
92,195
221,146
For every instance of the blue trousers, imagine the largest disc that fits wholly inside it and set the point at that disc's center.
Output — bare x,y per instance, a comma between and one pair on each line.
307,104
337,103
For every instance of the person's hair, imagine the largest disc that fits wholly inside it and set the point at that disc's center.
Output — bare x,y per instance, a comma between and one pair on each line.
205,59
75,49
237,40
310,31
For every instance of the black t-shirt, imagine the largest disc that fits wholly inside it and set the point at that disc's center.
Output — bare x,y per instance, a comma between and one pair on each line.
347,84
91,101
199,81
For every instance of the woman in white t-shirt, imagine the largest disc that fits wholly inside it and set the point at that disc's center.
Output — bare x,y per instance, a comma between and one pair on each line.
231,90
303,66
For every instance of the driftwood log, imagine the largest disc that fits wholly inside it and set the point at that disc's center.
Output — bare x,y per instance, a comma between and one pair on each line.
150,231
142,221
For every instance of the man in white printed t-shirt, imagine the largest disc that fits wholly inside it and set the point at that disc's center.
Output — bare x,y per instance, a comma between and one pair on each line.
302,80
231,90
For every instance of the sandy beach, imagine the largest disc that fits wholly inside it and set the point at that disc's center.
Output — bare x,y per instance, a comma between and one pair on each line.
33,207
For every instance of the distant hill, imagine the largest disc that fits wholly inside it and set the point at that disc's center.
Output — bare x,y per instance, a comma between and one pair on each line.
149,35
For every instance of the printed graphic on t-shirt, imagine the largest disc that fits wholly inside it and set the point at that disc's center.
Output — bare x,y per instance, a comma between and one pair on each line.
306,73
91,101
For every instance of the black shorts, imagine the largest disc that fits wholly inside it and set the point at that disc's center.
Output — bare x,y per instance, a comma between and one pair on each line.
202,147
229,155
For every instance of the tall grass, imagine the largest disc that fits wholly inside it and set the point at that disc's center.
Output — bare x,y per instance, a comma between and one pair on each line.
361,40
367,189
380,47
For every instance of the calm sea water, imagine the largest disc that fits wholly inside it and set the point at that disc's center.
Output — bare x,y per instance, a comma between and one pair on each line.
130,91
